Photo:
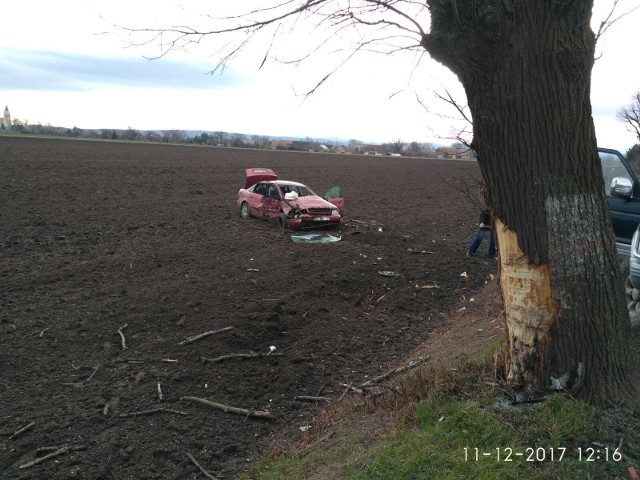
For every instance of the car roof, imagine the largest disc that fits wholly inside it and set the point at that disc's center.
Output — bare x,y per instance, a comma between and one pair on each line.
287,182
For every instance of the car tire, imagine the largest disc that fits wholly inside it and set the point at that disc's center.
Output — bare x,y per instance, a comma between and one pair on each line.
244,210
631,295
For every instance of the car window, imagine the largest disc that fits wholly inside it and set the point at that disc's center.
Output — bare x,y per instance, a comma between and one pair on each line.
272,192
612,167
259,189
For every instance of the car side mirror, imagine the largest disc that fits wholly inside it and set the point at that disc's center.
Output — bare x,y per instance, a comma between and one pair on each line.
621,187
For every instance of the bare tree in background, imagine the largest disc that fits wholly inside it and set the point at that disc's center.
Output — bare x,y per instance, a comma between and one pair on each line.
526,68
630,114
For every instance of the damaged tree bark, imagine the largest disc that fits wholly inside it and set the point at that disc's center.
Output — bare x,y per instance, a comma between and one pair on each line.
526,69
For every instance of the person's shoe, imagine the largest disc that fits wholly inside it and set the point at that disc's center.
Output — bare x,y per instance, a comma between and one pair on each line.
469,254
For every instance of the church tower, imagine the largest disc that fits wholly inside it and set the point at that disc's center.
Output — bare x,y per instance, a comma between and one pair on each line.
7,118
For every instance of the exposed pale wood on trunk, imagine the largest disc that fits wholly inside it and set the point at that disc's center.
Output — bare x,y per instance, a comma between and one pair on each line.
529,306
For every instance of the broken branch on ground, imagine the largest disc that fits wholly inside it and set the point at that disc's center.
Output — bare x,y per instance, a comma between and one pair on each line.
230,409
124,343
204,472
396,371
21,431
152,411
203,335
238,356
62,450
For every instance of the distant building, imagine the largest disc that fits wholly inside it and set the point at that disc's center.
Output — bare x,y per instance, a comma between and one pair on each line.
453,152
6,120
446,152
281,144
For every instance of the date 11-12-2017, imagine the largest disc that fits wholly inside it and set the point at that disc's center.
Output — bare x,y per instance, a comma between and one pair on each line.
542,454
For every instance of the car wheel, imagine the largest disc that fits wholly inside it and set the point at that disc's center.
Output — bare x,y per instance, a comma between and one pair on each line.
632,296
244,210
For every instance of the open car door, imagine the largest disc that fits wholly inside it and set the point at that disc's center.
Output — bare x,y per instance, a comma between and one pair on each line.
334,196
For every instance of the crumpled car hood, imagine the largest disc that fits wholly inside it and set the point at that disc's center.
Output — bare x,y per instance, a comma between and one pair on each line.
310,201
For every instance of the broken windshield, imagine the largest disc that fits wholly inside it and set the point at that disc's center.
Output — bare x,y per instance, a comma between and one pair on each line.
302,191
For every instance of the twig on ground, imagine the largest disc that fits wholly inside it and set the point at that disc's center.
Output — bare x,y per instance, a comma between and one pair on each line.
95,370
238,356
204,472
151,412
124,343
22,430
43,330
307,398
40,450
57,453
60,451
145,359
159,392
396,371
350,388
229,409
344,392
203,335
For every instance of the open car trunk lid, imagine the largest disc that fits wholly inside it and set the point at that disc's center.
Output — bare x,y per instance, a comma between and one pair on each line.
256,175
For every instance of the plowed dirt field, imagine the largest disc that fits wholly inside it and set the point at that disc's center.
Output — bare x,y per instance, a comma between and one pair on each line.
108,245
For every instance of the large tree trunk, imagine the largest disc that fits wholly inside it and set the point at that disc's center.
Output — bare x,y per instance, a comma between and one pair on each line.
526,66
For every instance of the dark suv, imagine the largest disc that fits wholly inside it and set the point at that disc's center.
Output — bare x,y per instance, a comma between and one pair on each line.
623,196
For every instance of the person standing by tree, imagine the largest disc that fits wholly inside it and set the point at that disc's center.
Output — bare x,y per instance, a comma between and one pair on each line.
484,225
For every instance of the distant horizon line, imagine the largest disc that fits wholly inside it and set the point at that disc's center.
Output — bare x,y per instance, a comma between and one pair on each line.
195,132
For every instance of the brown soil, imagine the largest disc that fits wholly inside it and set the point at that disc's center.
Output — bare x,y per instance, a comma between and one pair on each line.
98,235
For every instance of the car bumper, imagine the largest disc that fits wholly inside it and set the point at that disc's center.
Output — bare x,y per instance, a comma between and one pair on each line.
307,222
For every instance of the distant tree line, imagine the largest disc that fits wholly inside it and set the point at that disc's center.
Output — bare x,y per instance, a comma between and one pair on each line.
222,139
225,139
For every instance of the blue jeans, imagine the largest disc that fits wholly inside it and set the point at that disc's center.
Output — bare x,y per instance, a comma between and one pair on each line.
478,240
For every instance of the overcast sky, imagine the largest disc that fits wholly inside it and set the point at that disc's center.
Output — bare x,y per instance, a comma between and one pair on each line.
64,63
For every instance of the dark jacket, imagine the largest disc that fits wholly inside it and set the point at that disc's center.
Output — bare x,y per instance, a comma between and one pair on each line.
485,218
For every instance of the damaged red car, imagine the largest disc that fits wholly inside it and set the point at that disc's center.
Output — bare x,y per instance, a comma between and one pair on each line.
292,204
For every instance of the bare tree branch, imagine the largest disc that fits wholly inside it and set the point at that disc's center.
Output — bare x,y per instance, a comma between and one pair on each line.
461,135
630,114
450,100
609,20
380,27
